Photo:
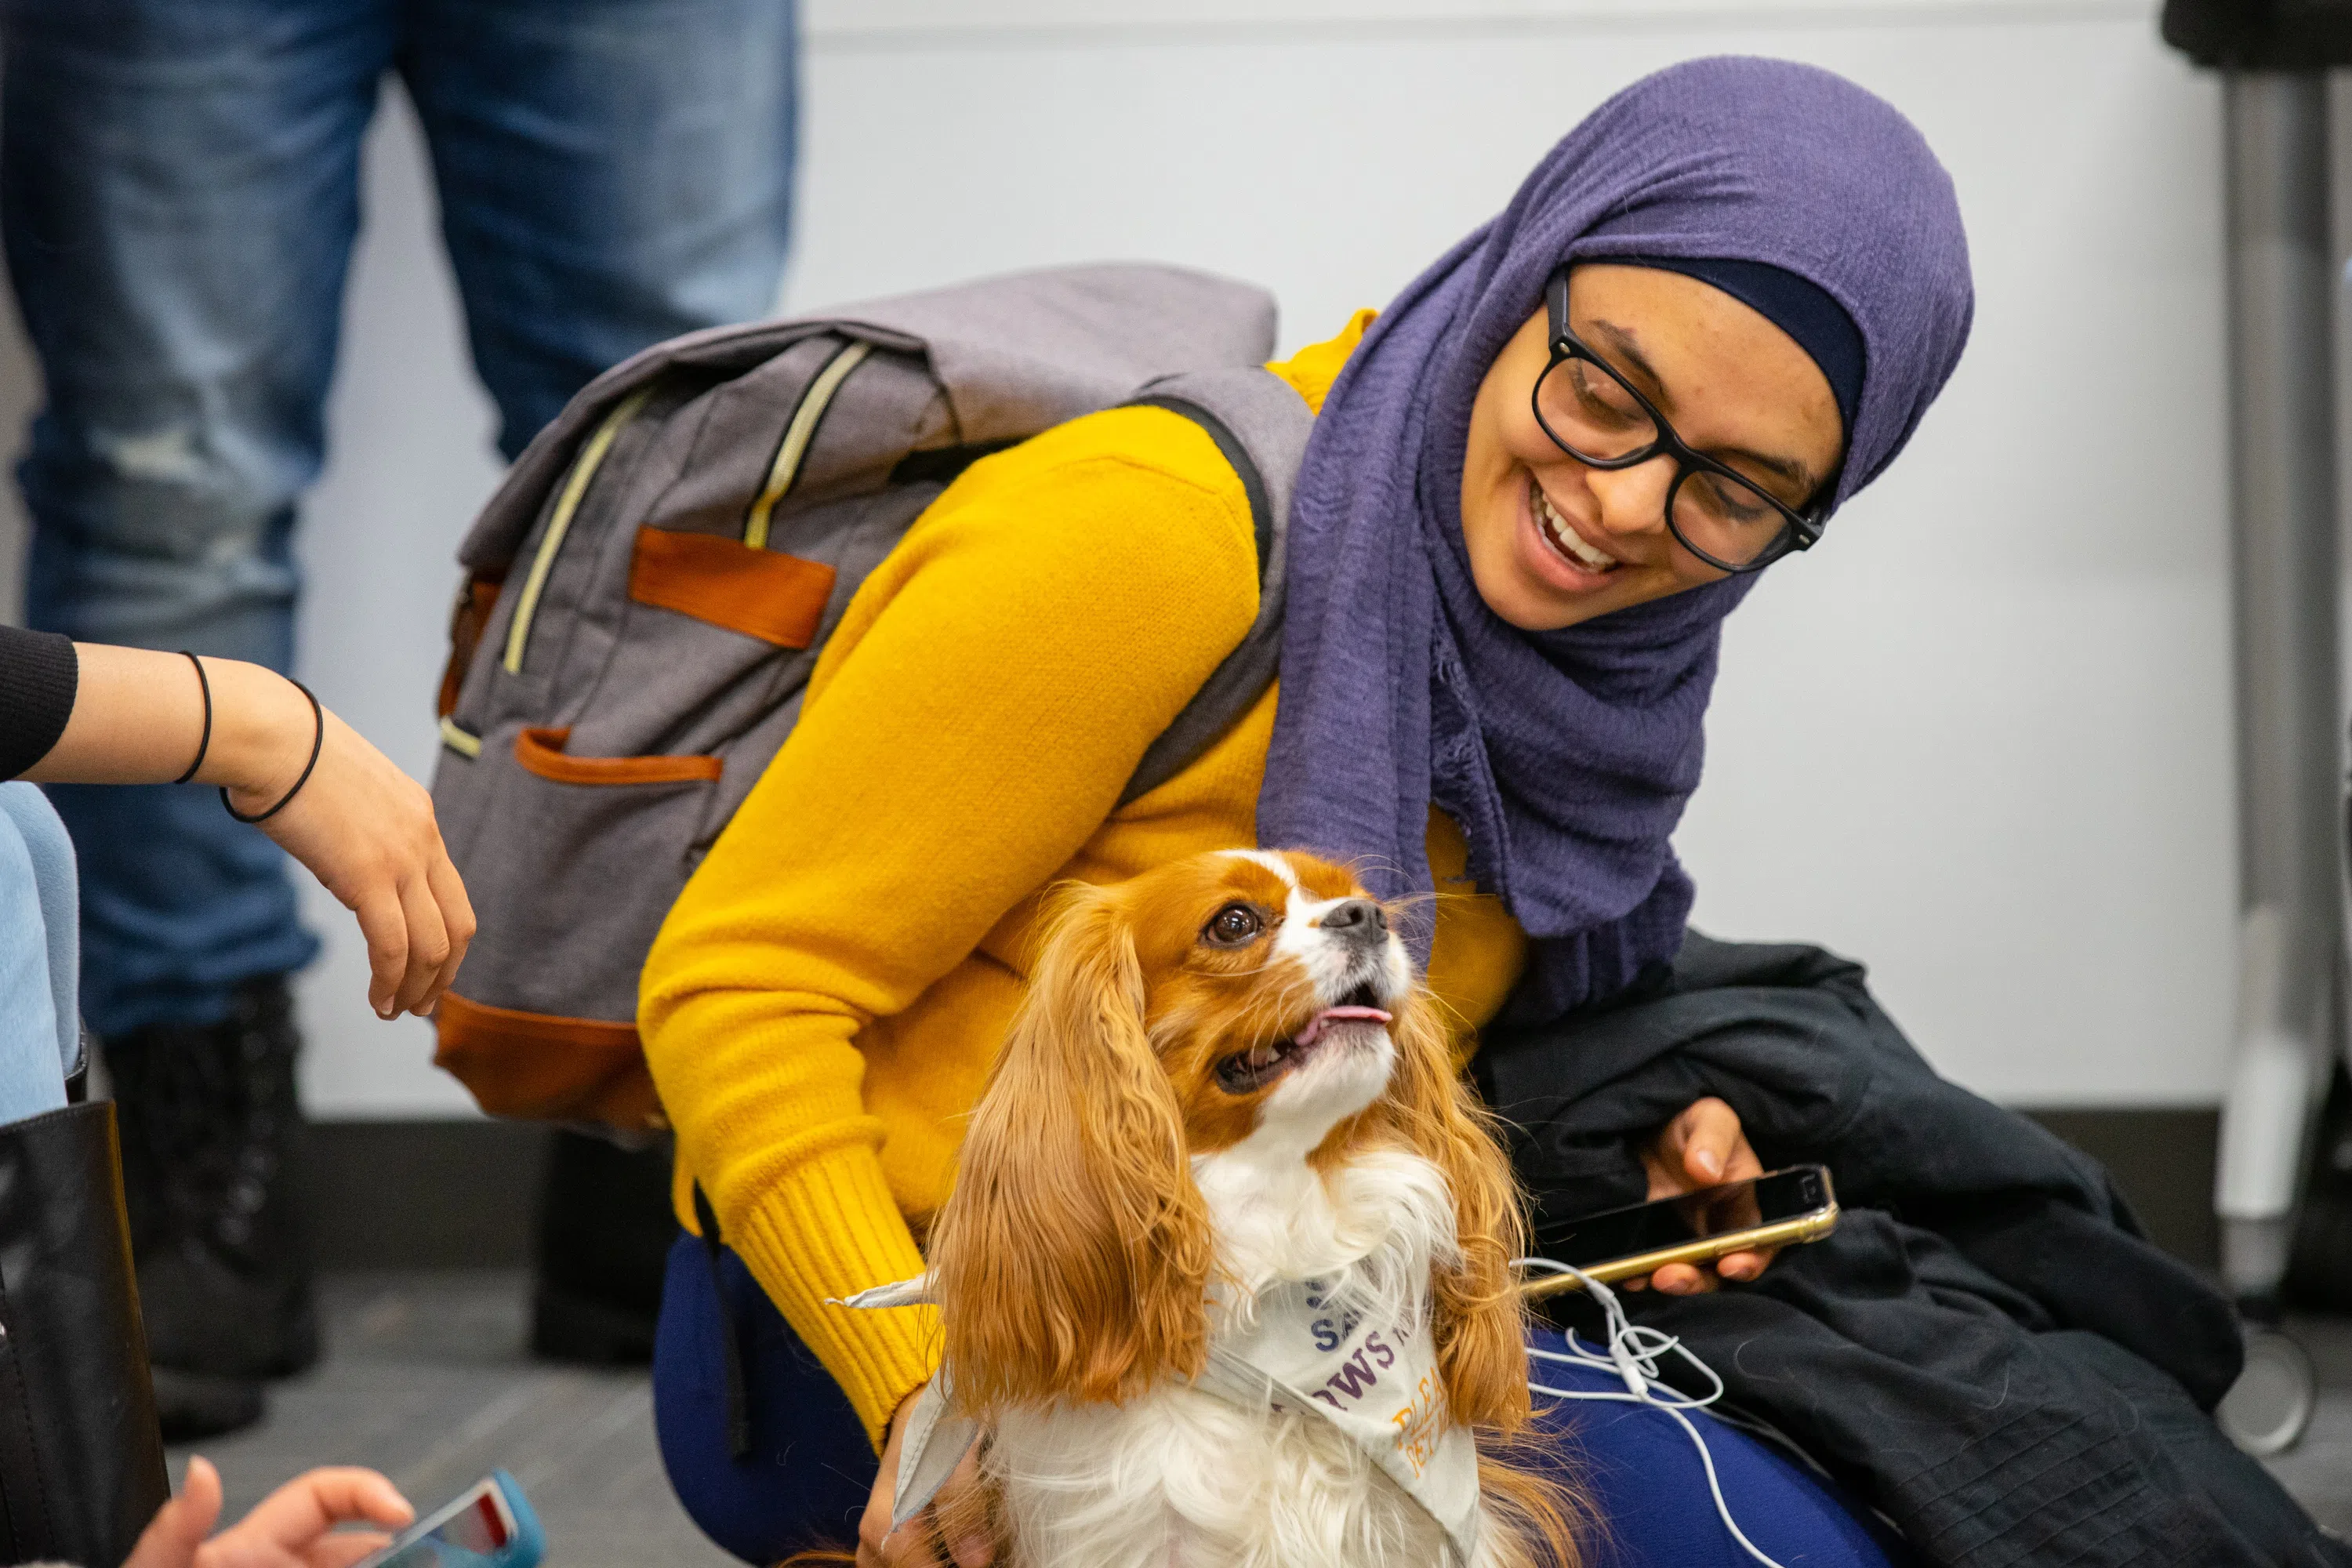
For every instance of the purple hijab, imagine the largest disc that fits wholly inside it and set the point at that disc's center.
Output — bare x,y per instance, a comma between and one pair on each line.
1566,756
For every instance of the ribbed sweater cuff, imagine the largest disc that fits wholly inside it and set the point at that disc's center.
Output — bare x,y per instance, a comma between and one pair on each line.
819,1232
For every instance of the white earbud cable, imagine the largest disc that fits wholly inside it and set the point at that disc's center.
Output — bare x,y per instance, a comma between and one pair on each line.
1632,1352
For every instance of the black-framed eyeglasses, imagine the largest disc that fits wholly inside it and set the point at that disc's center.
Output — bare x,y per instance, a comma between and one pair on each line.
1723,517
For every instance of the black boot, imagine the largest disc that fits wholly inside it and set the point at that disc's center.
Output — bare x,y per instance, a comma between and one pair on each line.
81,1462
211,1133
194,1406
605,1232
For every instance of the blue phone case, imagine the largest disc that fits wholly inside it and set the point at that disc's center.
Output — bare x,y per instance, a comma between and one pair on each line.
529,1542
423,1545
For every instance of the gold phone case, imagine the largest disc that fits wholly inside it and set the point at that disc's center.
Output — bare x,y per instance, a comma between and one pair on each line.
1779,1233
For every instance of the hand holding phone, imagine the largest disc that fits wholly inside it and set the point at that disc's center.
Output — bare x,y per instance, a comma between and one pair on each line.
1703,1146
1760,1214
293,1526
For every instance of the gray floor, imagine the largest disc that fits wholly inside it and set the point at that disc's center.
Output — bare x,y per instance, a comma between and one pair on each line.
2319,1472
426,1380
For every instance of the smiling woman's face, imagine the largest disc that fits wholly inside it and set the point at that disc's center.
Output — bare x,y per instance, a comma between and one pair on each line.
1553,541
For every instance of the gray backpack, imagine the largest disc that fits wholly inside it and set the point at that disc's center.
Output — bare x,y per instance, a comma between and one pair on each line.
650,589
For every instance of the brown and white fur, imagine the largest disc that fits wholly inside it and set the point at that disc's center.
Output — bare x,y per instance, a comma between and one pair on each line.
1224,1076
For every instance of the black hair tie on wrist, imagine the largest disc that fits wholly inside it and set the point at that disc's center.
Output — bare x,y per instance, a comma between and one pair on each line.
318,739
204,740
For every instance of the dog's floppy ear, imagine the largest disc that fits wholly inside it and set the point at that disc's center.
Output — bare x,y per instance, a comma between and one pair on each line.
1478,1322
1072,1260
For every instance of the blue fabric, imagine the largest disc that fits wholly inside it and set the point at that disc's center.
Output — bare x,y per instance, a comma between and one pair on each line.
805,1481
178,201
1566,756
40,1027
1802,310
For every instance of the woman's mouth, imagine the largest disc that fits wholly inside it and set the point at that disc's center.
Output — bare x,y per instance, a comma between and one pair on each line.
1563,539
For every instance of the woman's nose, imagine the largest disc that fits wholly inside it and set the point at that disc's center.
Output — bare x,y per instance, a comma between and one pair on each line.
1633,501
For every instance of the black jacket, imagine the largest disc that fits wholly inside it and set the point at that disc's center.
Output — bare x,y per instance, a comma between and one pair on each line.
1987,1348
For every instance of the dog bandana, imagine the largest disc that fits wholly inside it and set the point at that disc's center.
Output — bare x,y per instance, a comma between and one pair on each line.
1374,1379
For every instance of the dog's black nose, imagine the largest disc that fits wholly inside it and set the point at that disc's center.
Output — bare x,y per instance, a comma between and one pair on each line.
1356,920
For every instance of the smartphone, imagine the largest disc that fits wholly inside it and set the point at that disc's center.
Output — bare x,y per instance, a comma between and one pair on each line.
488,1525
1780,1208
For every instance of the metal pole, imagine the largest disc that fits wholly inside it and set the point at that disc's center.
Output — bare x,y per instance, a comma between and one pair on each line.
2284,472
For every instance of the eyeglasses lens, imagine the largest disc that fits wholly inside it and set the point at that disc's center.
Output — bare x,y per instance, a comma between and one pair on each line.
1589,411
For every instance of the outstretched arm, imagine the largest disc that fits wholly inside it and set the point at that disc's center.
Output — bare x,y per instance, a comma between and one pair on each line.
363,828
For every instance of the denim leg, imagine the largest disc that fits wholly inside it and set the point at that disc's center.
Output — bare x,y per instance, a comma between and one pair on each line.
178,201
611,173
40,1027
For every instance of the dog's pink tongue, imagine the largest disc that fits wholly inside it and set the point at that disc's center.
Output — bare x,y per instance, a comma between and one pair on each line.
1315,1026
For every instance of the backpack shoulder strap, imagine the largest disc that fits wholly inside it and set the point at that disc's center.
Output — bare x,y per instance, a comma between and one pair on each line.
1261,425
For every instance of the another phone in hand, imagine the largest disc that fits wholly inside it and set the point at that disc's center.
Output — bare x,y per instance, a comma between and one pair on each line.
1781,1208
488,1525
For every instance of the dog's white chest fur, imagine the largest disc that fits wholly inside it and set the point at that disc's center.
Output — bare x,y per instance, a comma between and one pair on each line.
1188,1478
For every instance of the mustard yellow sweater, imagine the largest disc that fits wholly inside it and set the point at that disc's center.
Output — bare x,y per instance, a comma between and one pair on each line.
822,1006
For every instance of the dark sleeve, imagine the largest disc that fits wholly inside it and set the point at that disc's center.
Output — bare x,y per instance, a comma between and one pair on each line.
38,673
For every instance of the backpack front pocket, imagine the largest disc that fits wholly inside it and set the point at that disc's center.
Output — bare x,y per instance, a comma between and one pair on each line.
575,861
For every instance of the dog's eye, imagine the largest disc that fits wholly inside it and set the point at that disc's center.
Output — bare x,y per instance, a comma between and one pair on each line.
1232,925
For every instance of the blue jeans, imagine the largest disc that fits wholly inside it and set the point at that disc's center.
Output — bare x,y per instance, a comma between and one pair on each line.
40,1027
178,199
805,1481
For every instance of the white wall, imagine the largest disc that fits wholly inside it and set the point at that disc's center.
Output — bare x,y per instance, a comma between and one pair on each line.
1981,738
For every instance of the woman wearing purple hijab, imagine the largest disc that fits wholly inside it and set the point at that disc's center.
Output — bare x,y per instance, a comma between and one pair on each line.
1537,483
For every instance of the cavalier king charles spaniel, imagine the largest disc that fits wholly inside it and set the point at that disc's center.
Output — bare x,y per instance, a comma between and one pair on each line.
1225,1276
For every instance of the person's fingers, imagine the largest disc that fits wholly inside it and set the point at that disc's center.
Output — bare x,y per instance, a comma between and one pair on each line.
963,1516
348,1494
972,1550
1674,1280
428,944
1682,1280
366,831
457,918
200,1496
180,1526
295,1516
1709,1130
879,1546
344,1548
909,1546
384,925
1746,1266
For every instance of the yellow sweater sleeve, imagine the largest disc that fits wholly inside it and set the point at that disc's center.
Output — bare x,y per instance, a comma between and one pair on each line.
970,724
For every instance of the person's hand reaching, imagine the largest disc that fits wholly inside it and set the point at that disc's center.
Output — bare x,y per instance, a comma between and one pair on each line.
293,1526
918,1543
360,826
366,831
1703,1147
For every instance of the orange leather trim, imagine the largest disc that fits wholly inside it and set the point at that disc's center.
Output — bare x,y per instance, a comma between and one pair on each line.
541,1065
476,603
541,751
763,594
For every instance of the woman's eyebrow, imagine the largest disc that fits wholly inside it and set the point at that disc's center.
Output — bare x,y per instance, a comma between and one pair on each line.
1798,474
1628,360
